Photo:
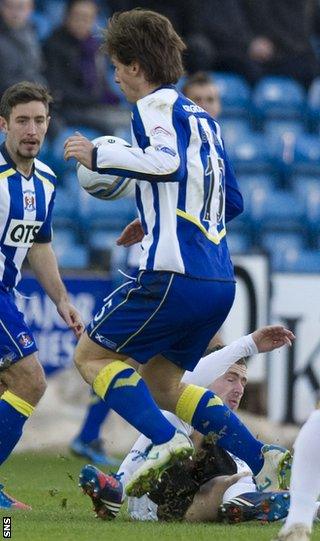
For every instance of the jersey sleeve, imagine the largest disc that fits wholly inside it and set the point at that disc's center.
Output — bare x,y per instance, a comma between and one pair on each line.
158,154
45,232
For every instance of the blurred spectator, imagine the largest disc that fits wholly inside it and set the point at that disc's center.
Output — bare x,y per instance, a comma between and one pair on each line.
282,33
239,36
20,53
201,89
76,69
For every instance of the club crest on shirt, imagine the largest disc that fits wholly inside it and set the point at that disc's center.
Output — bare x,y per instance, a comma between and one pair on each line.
29,199
25,340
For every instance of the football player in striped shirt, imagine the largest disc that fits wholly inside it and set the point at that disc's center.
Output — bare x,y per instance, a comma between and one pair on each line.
186,192
27,191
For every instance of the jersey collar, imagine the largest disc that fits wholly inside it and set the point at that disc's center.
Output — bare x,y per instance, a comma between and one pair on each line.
9,160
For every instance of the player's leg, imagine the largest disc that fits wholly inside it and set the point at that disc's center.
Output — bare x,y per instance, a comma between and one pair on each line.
88,442
205,411
123,389
305,481
25,385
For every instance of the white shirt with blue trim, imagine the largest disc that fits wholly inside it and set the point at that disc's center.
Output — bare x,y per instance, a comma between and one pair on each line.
25,214
186,190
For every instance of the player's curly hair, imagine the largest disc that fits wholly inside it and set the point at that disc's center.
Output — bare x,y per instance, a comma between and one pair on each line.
23,92
148,38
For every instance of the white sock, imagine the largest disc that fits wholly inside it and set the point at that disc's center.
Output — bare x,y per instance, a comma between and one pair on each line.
133,459
305,478
136,456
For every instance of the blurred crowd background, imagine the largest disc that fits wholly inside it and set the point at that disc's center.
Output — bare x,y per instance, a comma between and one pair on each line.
263,57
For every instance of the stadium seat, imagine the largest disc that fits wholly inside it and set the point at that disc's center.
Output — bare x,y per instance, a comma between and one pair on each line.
313,102
280,210
279,129
250,154
42,24
281,245
306,155
109,215
279,241
234,92
278,97
65,213
238,242
76,257
233,129
63,241
57,146
104,252
306,261
249,183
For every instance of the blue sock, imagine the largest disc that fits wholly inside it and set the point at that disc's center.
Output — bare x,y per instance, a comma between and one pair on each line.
206,412
126,393
96,414
13,414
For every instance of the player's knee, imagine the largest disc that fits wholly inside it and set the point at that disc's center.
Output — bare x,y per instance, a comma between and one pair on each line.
26,379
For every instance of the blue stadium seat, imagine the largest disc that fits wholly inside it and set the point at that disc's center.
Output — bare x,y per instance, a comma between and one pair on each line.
306,155
65,212
279,241
53,10
278,97
234,93
279,129
314,102
249,183
42,24
250,154
108,215
104,251
238,242
233,129
305,261
75,257
57,146
279,210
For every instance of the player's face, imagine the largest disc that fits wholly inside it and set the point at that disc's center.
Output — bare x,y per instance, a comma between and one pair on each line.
125,77
230,387
26,129
206,96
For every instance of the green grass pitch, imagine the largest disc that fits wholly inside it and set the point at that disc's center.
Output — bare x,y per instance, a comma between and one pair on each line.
60,512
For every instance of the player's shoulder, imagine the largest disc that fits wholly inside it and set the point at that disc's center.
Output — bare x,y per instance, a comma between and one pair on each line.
159,101
45,173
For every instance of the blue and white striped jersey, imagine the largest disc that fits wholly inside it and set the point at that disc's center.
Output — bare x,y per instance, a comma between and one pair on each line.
186,189
25,213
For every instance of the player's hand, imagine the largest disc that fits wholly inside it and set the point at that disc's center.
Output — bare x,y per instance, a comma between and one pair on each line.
72,317
131,234
272,337
79,147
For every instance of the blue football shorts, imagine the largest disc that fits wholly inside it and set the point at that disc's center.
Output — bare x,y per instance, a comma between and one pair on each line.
16,339
163,313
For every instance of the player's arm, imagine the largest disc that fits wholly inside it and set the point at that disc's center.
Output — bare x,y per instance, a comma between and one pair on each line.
160,159
217,363
43,262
